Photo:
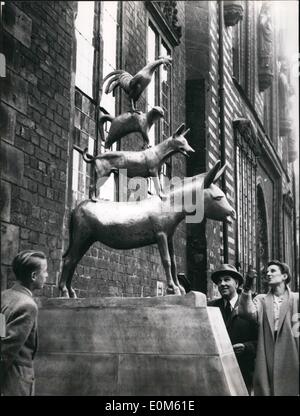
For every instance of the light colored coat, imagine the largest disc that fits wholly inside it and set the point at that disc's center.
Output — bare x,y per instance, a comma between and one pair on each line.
277,361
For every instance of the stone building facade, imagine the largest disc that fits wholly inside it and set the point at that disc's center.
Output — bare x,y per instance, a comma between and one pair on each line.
52,96
234,95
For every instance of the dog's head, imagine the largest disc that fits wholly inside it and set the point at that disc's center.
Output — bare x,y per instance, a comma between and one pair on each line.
179,142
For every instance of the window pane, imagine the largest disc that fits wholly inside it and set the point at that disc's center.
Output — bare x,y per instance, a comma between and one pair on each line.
151,45
245,189
165,92
84,66
109,33
84,22
84,137
84,25
151,55
109,22
159,93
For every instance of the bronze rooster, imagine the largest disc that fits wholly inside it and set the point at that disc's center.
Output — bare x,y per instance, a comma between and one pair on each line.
134,85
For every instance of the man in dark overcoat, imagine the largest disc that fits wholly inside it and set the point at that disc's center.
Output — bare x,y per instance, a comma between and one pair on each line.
242,333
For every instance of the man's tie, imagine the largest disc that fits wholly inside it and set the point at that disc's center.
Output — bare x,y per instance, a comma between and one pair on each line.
227,311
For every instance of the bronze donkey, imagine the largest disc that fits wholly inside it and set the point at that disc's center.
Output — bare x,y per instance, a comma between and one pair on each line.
128,225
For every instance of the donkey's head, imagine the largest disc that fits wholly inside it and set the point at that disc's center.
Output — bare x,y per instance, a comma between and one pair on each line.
216,205
178,143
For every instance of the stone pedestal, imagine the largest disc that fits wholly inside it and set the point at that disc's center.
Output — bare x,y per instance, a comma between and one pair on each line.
162,346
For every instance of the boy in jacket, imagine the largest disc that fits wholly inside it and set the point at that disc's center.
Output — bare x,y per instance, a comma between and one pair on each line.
19,345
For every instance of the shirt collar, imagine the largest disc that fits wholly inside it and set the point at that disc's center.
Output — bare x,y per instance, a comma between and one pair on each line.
232,301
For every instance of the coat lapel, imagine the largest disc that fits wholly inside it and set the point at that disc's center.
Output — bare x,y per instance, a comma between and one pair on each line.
270,311
284,308
235,309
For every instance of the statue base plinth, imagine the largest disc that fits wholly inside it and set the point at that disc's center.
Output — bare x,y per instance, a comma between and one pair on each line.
162,346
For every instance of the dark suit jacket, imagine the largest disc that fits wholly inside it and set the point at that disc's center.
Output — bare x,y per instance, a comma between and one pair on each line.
241,331
20,311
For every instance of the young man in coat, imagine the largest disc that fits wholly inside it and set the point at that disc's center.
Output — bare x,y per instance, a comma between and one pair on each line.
277,314
19,345
242,333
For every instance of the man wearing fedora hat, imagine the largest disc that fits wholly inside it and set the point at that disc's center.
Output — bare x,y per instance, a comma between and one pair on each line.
242,333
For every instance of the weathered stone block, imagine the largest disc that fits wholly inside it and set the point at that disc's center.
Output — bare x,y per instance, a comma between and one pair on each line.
74,374
12,163
9,242
8,277
5,200
7,123
17,23
14,91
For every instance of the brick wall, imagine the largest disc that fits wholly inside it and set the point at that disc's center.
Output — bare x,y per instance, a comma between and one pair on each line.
35,109
38,106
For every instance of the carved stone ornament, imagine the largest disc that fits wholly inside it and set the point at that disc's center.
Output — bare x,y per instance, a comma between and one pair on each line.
165,14
233,12
288,202
292,149
265,47
284,90
246,130
170,11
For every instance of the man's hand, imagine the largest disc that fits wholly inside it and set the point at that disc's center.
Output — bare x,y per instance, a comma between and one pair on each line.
250,276
238,348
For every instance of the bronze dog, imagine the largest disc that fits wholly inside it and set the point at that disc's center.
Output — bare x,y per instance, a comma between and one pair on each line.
146,163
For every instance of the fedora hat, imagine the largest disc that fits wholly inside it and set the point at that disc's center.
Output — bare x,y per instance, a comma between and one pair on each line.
229,270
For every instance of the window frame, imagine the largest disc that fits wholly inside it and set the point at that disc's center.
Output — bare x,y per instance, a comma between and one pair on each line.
245,190
95,100
161,40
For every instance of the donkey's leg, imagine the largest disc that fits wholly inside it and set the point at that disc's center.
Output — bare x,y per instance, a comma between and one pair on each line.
72,258
173,265
166,261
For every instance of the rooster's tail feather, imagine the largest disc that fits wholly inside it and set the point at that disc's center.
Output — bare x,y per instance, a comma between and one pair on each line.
117,71
114,86
112,83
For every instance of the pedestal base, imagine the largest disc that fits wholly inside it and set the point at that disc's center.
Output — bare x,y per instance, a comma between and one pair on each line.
162,346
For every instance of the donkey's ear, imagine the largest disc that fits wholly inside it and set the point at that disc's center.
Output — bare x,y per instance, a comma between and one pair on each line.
210,176
220,173
186,132
179,131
